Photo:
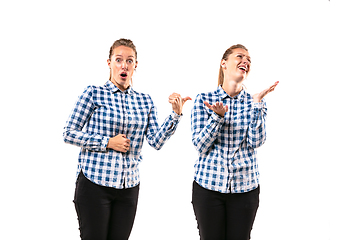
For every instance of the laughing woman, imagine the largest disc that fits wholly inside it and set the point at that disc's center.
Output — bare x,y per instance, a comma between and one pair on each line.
227,126
109,123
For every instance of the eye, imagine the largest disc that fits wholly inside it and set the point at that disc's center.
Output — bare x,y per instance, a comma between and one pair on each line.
118,59
130,61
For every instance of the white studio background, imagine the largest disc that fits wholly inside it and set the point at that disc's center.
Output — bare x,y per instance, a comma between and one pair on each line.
52,50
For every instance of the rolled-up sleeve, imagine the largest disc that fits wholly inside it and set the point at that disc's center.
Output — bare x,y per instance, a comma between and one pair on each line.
257,132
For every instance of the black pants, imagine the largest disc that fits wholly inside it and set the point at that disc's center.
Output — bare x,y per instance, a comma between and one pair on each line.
104,213
224,216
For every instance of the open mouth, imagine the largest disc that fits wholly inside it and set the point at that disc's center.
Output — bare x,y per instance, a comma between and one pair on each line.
123,75
243,68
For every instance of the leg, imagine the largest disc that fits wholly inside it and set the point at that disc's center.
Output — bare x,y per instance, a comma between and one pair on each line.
123,213
241,210
93,209
209,210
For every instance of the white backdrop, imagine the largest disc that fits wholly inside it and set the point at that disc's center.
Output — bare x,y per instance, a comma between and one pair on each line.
51,50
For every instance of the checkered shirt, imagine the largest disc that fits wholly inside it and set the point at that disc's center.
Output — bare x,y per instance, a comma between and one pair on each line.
104,112
227,145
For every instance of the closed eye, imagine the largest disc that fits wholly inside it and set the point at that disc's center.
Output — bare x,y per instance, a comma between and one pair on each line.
241,56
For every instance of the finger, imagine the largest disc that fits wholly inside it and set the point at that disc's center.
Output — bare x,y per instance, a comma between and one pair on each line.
173,100
207,104
122,149
125,138
186,98
272,88
274,85
174,95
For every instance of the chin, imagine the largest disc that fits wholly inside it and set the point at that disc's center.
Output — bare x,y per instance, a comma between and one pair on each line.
242,77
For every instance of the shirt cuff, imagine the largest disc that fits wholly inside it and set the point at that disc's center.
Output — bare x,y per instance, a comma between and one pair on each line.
258,105
175,116
104,143
217,118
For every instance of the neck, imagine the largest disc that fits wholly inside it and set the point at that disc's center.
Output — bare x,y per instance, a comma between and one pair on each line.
122,87
232,88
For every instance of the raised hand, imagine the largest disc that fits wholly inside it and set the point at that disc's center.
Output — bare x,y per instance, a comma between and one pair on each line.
119,143
259,96
177,102
218,108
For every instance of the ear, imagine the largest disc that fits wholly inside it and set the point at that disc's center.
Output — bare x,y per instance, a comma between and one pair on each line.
223,64
136,63
108,62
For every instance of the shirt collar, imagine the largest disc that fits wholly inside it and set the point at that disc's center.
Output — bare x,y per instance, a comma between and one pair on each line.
222,94
115,89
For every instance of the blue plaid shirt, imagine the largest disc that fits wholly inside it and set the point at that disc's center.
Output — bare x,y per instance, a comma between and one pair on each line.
104,112
227,145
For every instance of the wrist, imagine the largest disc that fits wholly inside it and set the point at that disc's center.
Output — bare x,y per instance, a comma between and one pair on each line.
177,112
109,145
256,100
220,114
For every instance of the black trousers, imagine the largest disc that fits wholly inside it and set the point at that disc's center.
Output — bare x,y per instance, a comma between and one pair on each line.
224,216
104,213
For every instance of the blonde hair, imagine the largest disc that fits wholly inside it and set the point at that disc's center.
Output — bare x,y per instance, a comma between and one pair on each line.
225,57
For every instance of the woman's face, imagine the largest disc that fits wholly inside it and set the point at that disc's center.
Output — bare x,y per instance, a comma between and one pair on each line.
237,66
122,65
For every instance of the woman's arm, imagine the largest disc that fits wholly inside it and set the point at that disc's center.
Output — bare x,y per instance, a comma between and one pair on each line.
257,131
204,126
78,118
156,136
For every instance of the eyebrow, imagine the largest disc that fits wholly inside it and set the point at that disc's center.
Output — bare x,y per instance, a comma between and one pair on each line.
118,55
248,56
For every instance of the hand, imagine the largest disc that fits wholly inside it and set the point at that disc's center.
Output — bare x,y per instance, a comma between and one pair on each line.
259,96
218,108
177,102
119,143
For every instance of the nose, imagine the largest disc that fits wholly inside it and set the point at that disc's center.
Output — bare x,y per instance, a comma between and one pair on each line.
244,60
123,65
